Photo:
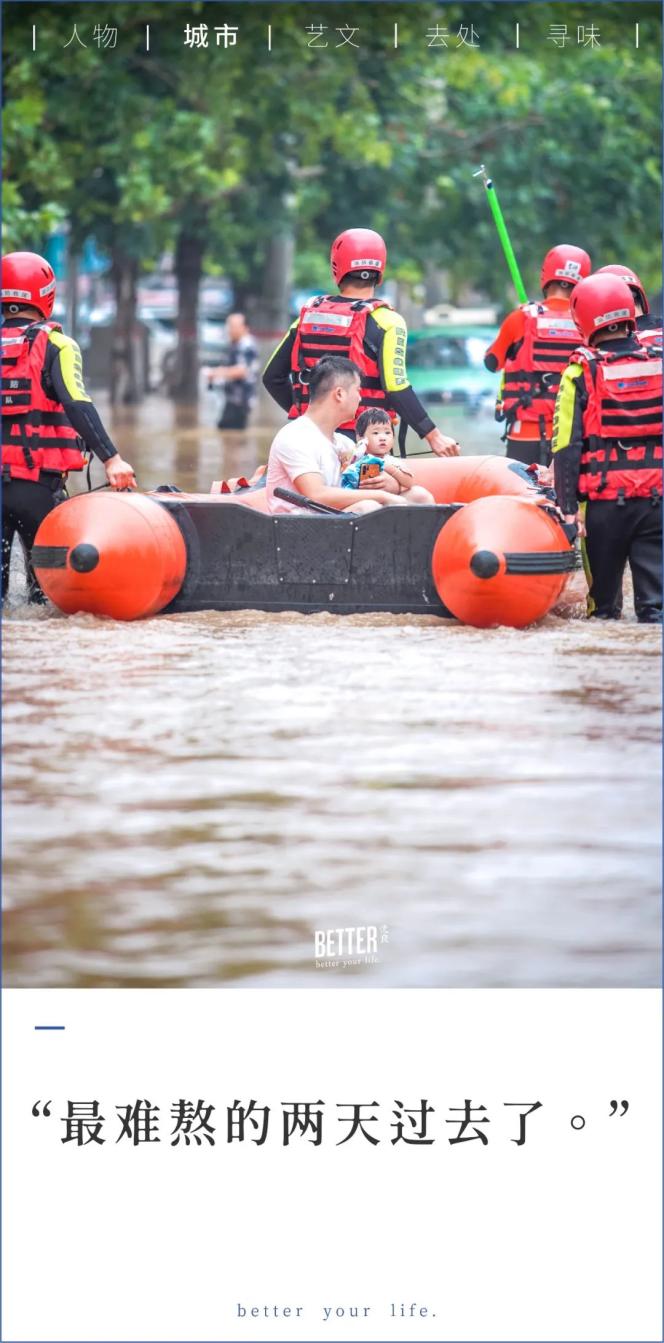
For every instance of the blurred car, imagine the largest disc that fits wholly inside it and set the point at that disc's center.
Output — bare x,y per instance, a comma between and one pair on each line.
157,308
157,293
162,326
446,366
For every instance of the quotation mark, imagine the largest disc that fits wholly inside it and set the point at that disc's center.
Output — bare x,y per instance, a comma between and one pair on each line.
578,1122
45,1111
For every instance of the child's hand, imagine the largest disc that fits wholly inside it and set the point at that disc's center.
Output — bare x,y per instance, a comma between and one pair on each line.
346,458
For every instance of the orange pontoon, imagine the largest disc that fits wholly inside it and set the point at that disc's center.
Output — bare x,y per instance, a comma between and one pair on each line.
491,551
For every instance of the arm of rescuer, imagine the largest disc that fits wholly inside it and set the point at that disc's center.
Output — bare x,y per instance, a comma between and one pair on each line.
63,375
276,374
386,335
567,442
505,347
507,341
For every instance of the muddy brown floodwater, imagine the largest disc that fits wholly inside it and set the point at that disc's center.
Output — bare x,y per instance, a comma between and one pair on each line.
189,798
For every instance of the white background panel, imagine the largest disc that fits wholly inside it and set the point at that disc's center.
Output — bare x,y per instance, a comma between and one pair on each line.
556,1240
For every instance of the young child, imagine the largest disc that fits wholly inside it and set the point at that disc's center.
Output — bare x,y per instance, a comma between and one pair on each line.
375,440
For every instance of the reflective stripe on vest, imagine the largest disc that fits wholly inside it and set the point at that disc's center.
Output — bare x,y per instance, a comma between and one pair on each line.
622,424
532,378
332,326
36,433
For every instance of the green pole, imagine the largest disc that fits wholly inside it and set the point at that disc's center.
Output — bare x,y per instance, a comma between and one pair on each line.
504,236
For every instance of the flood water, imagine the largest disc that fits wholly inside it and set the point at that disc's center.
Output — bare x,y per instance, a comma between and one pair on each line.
188,799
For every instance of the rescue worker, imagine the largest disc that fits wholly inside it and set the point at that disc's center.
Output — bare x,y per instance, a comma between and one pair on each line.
533,347
607,449
354,324
648,328
48,419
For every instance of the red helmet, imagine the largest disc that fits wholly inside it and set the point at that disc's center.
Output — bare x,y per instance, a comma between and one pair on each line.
631,278
600,301
28,281
359,252
565,264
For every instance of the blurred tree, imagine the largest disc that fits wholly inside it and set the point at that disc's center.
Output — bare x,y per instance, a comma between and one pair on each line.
89,114
32,164
237,157
571,136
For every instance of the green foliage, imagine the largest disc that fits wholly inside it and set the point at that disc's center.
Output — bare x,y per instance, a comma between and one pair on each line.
237,144
31,207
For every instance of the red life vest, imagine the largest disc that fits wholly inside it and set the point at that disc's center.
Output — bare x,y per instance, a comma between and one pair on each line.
622,424
36,434
532,377
334,326
652,335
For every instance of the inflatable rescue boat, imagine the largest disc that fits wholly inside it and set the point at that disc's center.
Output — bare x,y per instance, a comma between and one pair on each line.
492,550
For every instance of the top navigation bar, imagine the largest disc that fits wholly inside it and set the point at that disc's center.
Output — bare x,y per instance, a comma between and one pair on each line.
323,37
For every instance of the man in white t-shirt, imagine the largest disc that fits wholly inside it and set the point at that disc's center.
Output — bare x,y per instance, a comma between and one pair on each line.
306,455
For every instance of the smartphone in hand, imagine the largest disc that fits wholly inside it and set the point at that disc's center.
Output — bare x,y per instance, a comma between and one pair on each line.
368,470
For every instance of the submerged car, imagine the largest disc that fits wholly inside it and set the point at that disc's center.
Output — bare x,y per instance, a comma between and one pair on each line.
446,366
